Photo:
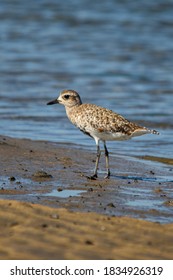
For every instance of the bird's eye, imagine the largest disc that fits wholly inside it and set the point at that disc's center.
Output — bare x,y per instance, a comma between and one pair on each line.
66,96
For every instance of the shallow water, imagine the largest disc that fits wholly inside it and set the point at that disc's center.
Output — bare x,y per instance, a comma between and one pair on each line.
116,54
151,201
64,193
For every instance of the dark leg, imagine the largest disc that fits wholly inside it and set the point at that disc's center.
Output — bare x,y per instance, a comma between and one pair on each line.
94,176
107,161
97,161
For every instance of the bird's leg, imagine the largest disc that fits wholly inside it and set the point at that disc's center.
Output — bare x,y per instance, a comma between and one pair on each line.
94,176
97,160
107,161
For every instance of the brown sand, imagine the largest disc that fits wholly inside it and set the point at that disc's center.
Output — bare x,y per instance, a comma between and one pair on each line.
49,231
31,231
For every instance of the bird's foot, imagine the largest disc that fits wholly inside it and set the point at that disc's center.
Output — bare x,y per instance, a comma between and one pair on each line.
107,175
93,177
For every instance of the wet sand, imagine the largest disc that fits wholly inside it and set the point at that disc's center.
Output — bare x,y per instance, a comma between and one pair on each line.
50,210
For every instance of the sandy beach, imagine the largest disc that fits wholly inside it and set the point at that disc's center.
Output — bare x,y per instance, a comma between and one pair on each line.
50,210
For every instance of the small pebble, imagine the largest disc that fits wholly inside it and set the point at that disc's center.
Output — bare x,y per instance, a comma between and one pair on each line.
111,204
12,178
42,174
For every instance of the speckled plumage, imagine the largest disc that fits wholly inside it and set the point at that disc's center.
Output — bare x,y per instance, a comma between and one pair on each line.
94,119
98,122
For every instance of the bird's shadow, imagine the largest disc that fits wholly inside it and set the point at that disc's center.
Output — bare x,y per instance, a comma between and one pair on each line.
144,179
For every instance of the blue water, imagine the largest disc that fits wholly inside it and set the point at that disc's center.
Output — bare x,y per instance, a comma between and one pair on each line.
117,54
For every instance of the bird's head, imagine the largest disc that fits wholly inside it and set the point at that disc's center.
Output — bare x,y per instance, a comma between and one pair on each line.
68,98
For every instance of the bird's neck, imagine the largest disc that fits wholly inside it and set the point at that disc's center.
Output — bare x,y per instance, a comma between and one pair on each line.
70,111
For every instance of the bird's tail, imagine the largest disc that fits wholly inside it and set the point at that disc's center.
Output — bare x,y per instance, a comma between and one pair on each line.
144,130
153,131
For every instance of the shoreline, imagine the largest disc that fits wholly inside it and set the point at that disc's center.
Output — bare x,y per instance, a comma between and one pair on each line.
47,202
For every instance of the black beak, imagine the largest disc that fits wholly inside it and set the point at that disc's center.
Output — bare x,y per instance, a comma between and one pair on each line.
53,102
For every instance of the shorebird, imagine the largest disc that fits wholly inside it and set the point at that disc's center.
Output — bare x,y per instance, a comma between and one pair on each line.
99,123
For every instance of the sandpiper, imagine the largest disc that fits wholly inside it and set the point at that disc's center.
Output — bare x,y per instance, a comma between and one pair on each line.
99,123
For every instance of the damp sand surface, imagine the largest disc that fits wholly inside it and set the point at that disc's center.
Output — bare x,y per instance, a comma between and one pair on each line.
48,203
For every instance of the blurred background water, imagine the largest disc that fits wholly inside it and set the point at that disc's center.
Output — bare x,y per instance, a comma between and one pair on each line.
116,53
